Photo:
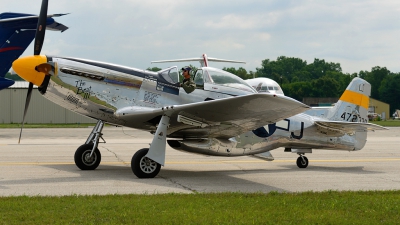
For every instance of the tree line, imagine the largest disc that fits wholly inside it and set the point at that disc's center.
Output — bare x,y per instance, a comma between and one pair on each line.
324,79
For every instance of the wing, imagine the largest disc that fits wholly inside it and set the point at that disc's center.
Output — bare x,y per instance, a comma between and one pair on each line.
217,118
348,127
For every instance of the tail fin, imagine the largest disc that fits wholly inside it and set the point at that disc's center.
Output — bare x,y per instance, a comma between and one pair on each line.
17,31
353,104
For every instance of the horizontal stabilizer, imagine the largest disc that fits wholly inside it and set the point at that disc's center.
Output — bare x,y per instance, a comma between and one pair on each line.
203,60
198,59
28,21
348,127
30,17
178,60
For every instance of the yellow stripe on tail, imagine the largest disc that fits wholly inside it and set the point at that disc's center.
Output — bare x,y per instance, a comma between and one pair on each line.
355,98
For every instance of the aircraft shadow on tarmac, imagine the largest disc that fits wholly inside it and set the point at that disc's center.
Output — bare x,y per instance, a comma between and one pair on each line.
338,169
194,181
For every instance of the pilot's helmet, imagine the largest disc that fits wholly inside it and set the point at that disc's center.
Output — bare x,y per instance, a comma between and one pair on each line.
186,68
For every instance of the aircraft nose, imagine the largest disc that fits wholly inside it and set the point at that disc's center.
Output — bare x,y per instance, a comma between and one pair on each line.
25,67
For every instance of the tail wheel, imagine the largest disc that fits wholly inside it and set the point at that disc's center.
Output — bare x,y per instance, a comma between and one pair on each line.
144,167
302,162
84,161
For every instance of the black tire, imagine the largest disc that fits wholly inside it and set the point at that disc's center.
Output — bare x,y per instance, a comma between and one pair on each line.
82,160
302,164
144,167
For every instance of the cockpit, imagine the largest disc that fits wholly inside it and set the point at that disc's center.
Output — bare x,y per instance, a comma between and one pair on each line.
221,78
170,74
211,79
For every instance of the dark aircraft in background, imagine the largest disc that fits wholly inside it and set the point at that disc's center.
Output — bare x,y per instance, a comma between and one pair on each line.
17,30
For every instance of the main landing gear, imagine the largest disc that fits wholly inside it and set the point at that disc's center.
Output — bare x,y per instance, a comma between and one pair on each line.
144,167
146,163
302,161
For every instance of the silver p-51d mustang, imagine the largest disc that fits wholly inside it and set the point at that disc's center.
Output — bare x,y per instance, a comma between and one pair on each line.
223,116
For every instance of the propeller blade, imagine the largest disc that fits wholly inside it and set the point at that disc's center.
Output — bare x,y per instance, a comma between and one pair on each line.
28,99
45,68
41,28
43,88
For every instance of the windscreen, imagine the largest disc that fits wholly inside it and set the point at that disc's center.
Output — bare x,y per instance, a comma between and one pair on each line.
227,79
170,74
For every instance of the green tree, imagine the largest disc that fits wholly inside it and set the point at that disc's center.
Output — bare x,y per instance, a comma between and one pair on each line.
390,91
319,68
13,77
325,87
154,69
343,79
285,67
297,90
375,78
241,72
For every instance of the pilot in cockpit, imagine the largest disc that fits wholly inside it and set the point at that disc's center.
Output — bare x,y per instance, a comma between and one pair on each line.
187,83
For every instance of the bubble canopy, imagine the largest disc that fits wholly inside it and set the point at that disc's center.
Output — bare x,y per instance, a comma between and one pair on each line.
221,77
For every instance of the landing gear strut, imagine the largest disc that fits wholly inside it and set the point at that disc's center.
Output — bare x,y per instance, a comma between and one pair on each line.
302,161
146,163
87,156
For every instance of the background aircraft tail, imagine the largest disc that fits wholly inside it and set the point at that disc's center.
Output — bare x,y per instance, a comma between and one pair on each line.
17,30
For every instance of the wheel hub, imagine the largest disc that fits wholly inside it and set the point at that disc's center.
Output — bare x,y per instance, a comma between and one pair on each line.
87,160
147,165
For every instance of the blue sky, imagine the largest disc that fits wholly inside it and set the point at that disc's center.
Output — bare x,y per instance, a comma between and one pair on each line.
357,34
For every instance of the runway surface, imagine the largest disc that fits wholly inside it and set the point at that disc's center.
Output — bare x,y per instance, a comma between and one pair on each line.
43,164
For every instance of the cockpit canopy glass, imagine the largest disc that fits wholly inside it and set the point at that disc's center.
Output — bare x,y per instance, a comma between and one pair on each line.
170,74
224,78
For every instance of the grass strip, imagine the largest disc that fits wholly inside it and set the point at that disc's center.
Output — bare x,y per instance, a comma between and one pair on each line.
330,207
387,123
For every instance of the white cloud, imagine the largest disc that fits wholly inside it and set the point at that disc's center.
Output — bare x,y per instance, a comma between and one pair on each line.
358,34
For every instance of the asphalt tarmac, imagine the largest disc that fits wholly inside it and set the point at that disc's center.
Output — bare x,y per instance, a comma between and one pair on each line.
43,164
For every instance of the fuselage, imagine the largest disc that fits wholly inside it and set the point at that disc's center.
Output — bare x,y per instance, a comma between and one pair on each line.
99,90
